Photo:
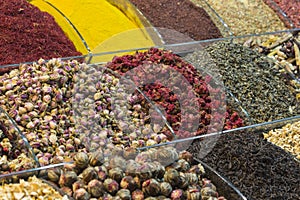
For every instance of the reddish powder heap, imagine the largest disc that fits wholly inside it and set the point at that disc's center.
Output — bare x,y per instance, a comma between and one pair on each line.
28,34
290,7
179,15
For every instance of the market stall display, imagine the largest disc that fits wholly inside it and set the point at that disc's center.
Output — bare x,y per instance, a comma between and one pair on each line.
198,116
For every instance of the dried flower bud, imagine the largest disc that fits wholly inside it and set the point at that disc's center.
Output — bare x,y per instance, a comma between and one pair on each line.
144,171
166,155
81,160
77,185
137,195
172,176
151,187
165,188
178,195
192,178
208,192
96,158
116,174
111,186
130,153
210,185
129,183
67,178
193,194
131,168
54,174
102,172
95,188
67,191
81,194
186,155
124,194
89,174
184,183
117,161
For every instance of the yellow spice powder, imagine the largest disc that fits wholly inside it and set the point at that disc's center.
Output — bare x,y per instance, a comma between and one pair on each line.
98,22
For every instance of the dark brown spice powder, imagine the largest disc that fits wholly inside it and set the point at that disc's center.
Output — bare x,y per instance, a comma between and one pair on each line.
28,34
179,15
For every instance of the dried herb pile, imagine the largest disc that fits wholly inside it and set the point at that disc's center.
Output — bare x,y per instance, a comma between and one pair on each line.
247,17
182,16
164,96
34,188
28,34
252,79
259,169
286,137
140,176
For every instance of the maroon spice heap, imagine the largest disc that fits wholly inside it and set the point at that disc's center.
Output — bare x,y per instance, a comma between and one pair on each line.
28,34
165,97
290,8
179,15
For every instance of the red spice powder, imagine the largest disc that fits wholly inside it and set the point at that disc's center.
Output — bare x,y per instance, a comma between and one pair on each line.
290,7
28,34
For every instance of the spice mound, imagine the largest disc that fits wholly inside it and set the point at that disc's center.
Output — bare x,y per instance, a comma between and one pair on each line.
287,137
252,79
34,188
28,34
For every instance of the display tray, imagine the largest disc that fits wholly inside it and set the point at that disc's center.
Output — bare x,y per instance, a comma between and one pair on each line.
224,187
258,168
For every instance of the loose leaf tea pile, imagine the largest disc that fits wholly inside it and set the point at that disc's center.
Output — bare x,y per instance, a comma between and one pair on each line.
28,34
259,169
252,79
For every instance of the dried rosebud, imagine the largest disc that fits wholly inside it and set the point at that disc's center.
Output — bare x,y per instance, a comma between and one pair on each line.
124,194
111,186
77,185
81,194
178,195
166,155
117,161
68,191
184,183
193,194
208,192
116,174
129,183
96,158
130,153
67,178
186,155
137,195
54,174
89,174
95,188
102,172
131,168
165,188
192,178
151,187
144,171
197,169
210,185
81,160
172,176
